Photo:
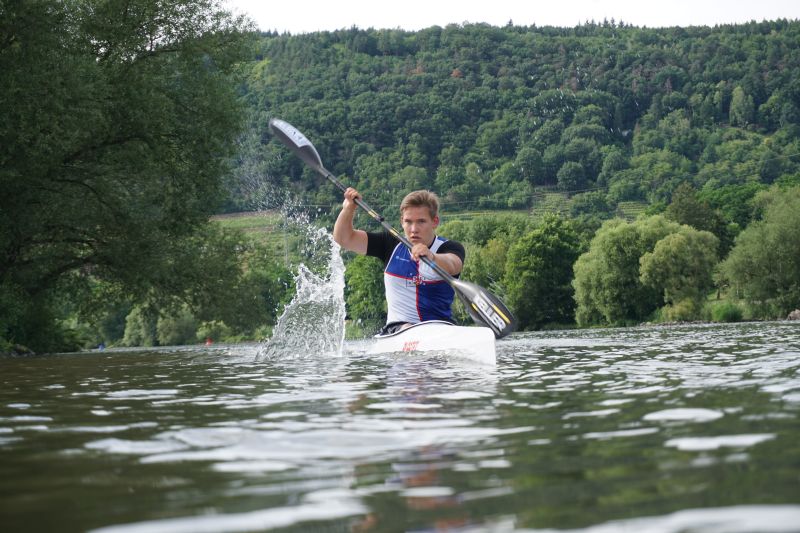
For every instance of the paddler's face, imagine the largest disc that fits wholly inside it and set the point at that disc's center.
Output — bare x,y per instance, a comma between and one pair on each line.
418,225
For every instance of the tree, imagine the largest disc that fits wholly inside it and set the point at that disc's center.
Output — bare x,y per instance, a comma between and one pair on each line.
763,267
176,329
364,294
608,286
735,202
742,108
409,178
507,226
652,176
571,176
496,139
487,264
614,160
686,208
585,152
114,138
529,164
538,275
549,134
590,203
140,328
681,267
251,287
674,133
591,114
474,186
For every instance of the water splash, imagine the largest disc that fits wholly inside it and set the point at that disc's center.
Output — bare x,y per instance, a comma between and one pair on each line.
313,322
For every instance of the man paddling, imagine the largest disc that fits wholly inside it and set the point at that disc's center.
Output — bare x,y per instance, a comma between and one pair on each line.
414,291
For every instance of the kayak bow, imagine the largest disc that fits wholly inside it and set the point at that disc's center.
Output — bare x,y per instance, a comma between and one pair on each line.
474,343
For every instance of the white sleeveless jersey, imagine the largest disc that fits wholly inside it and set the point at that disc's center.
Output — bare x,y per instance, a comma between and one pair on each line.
414,291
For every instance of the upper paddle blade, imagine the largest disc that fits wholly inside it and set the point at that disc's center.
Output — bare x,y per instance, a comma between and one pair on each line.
485,308
296,141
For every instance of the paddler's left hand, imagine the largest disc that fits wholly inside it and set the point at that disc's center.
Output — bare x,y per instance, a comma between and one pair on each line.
420,250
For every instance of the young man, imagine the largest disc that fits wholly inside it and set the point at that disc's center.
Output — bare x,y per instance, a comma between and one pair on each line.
414,291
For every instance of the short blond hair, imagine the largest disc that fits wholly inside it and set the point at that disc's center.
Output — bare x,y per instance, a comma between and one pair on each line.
421,199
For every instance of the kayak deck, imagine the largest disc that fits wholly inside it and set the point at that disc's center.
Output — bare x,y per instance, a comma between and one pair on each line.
474,343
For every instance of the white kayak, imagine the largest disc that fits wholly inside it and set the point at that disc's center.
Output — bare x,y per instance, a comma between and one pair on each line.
474,343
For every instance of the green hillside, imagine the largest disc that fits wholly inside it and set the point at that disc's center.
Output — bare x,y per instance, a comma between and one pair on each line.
501,118
123,136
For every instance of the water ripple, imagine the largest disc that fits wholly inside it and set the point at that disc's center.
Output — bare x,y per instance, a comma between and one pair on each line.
617,423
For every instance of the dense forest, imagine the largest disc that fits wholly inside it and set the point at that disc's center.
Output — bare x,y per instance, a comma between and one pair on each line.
485,115
698,127
675,153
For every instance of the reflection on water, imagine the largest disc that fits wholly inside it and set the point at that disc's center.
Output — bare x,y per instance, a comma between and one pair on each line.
645,429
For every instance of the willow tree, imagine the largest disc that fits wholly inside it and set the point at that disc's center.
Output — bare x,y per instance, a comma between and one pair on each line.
681,267
763,267
608,285
117,121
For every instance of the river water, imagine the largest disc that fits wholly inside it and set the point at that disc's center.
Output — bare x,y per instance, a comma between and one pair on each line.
648,429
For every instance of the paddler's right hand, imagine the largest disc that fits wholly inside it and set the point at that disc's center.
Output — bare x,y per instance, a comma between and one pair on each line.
350,195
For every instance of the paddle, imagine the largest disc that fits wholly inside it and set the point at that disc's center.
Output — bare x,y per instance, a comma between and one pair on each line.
484,307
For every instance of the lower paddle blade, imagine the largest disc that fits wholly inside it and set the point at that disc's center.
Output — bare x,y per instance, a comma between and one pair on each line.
485,308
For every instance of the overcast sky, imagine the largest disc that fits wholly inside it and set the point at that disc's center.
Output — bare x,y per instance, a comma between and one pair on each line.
303,16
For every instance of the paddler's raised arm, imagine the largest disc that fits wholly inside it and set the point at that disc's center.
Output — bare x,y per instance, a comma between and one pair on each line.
344,234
